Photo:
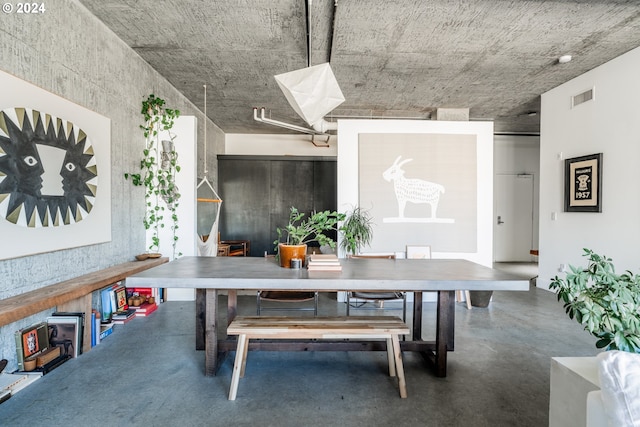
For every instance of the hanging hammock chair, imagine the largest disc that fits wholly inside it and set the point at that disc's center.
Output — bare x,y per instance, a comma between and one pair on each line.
207,243
208,200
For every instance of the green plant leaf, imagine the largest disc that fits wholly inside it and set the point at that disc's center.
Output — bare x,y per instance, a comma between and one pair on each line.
607,304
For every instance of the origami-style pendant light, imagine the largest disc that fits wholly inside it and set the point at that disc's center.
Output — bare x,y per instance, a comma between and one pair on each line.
312,92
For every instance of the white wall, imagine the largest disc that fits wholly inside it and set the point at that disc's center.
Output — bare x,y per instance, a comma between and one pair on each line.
278,145
610,124
185,129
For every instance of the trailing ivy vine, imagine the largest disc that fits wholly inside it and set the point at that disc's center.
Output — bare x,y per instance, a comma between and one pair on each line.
158,169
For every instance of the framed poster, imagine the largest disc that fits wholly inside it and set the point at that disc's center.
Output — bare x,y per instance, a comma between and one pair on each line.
583,184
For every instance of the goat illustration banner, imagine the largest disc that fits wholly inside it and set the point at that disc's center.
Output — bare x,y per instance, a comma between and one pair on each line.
55,180
421,188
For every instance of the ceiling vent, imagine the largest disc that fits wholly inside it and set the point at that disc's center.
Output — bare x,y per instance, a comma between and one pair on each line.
581,98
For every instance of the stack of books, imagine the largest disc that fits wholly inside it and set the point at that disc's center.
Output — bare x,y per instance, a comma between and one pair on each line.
323,262
144,309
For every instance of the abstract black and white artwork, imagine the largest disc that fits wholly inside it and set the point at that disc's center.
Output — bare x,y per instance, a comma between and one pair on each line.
47,170
54,172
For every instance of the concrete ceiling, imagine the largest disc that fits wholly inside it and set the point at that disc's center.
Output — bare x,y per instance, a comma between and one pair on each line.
392,58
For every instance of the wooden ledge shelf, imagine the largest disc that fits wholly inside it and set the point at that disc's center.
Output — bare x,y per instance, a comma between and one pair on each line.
20,306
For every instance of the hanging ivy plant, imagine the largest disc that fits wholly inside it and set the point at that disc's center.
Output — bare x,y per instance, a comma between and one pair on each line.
158,169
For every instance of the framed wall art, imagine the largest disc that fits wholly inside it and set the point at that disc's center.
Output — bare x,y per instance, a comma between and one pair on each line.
583,184
55,172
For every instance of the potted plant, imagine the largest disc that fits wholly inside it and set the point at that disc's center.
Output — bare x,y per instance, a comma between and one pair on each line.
293,238
356,230
607,303
158,169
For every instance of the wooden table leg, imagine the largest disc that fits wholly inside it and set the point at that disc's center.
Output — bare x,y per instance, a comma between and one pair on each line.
232,305
417,316
444,330
211,333
201,307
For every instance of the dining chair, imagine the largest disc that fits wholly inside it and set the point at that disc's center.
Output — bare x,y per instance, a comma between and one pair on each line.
357,299
286,300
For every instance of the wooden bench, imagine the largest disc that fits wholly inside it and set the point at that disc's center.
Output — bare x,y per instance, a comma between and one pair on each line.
71,295
353,327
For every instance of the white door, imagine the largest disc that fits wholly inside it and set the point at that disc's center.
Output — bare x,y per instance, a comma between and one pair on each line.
513,221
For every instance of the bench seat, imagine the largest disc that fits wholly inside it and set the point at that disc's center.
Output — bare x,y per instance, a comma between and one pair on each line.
335,327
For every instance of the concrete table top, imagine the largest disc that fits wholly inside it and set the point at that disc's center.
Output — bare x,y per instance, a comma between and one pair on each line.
357,274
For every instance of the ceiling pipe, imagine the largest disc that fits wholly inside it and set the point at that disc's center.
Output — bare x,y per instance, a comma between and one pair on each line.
263,119
324,126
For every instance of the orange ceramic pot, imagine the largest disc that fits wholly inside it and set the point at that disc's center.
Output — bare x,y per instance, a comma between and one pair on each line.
289,252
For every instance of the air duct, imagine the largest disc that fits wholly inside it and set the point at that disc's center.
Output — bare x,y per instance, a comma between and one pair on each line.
263,119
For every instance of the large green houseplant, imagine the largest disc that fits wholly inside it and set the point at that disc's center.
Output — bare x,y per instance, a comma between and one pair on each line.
158,169
606,303
293,238
356,230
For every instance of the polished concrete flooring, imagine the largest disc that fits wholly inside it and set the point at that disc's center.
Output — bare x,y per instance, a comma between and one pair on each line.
148,374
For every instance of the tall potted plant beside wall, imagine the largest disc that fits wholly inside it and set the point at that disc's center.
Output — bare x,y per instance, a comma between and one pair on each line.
158,169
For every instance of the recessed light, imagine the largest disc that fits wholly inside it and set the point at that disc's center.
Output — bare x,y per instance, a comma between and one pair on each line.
564,59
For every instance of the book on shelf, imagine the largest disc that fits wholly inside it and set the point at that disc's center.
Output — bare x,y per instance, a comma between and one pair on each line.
30,342
16,381
125,320
50,366
145,309
66,332
120,311
81,325
106,330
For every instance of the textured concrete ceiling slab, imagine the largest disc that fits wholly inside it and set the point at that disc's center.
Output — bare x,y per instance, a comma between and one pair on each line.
392,58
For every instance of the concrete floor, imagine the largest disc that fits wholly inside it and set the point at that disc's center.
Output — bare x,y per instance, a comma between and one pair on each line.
148,373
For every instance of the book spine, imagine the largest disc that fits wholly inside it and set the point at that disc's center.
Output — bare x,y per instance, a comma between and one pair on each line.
19,351
106,333
93,329
147,312
106,304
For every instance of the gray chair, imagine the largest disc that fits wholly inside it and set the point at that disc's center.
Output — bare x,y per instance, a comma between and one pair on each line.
358,300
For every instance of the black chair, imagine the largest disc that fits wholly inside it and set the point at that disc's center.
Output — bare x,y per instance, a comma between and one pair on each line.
357,299
287,297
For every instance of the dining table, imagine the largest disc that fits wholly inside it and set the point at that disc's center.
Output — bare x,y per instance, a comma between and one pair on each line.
209,275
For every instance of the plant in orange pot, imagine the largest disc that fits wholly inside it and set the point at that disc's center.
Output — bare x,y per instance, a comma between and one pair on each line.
293,238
